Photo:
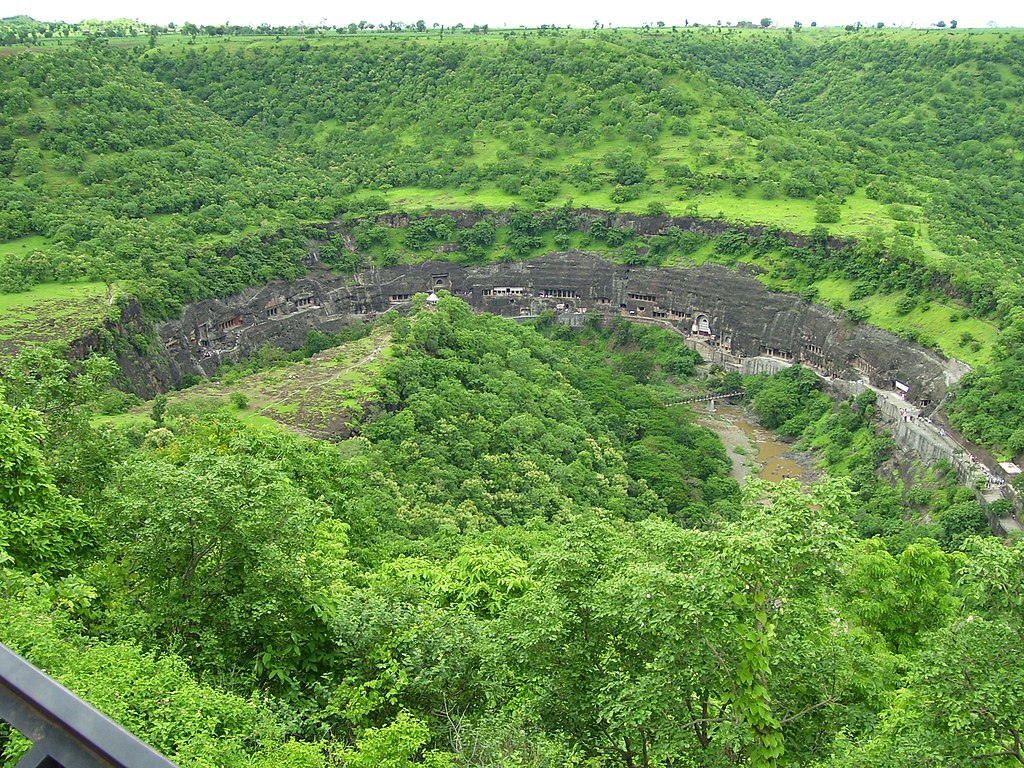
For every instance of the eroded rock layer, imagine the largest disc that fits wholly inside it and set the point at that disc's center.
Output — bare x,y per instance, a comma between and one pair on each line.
730,317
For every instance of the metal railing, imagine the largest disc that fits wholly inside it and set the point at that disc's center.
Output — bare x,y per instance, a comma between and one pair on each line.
65,731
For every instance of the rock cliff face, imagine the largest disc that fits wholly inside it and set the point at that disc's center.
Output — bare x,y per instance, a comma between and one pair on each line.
144,370
730,316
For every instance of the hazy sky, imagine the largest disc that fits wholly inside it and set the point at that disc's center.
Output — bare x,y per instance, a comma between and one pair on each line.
527,12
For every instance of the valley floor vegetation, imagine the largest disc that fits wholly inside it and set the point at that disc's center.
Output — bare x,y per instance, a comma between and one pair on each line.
524,558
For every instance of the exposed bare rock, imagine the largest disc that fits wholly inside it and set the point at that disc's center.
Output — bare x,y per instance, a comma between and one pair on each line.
730,315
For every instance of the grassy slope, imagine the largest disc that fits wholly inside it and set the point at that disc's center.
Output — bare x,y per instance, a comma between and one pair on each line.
22,246
51,312
943,323
321,396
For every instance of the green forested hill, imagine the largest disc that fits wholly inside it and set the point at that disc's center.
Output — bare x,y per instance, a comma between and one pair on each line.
184,171
535,119
127,180
512,120
939,116
764,128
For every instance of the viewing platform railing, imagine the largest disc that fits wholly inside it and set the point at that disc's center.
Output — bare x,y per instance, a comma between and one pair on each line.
65,731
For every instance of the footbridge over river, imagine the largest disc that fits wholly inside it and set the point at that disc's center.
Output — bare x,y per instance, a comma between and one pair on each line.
711,398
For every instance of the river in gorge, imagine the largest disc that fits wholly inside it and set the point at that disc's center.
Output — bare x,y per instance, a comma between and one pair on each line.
761,453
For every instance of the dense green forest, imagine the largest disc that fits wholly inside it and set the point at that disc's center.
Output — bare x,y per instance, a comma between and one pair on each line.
523,552
524,558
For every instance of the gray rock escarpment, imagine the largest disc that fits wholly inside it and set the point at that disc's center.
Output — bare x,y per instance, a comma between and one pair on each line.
729,313
143,370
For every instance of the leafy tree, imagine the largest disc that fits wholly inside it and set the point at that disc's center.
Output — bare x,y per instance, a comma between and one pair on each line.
395,745
786,400
225,558
64,395
961,701
159,409
40,529
960,521
902,597
639,365
155,697
659,616
826,209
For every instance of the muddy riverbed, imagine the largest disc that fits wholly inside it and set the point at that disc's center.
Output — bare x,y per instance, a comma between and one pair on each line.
760,453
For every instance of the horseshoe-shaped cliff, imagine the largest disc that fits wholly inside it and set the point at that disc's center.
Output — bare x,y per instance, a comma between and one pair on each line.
730,317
